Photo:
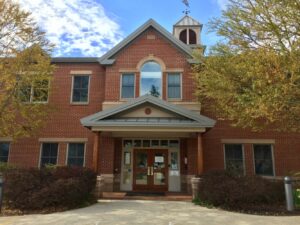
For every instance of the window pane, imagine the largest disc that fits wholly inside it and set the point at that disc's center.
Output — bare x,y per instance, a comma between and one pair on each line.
234,161
151,76
174,85
76,154
128,92
25,93
49,154
263,160
80,89
4,151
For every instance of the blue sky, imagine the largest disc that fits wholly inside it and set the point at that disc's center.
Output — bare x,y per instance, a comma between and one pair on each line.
92,27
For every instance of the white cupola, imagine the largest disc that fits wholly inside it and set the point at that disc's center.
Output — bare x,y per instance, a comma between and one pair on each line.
188,30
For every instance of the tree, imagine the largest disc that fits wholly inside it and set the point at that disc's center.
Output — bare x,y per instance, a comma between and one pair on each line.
25,72
154,92
252,76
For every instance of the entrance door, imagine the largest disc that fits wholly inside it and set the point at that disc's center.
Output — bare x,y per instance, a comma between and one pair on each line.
150,170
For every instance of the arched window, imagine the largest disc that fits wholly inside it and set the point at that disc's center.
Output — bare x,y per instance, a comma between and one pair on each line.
151,79
192,37
182,36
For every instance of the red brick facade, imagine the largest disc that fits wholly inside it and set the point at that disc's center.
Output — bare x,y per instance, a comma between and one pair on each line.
63,124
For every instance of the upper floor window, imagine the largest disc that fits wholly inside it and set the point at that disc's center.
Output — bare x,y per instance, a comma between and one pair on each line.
127,88
37,93
80,91
4,151
183,36
263,159
174,86
151,79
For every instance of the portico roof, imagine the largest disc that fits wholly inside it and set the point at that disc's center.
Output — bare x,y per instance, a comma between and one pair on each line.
173,117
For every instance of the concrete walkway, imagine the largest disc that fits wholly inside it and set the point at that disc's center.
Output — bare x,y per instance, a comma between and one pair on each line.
121,212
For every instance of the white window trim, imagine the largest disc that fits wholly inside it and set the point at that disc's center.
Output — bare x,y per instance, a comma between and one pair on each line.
167,85
243,152
121,85
273,160
72,87
41,149
162,77
84,152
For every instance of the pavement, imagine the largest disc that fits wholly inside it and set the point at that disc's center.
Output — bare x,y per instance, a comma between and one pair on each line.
131,212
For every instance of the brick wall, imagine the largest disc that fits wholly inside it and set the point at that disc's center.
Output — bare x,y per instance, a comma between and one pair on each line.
64,120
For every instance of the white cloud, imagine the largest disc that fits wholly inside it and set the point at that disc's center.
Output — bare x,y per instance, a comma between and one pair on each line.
222,4
76,27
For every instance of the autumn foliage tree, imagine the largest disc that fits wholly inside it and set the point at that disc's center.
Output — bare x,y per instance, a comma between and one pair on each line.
25,72
252,76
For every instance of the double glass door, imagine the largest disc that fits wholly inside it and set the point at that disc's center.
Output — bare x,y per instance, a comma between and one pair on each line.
150,170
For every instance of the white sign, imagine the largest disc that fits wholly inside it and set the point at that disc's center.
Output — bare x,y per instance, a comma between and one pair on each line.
159,159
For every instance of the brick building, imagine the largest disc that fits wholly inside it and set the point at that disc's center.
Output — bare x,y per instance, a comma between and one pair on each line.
132,116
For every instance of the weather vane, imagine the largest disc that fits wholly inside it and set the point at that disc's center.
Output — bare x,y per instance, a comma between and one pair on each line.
187,4
186,11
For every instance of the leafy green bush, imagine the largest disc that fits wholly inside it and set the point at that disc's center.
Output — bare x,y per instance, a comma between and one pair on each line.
225,190
59,187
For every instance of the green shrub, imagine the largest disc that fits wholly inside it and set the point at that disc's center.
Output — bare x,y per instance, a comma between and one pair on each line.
225,190
58,187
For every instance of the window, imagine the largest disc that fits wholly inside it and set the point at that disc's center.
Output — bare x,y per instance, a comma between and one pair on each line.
151,76
37,93
49,154
4,151
234,158
263,159
127,90
174,86
80,93
183,36
192,37
76,154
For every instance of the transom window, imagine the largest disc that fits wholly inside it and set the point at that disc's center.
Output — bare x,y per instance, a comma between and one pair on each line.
127,90
4,151
76,154
151,79
80,93
263,159
49,154
146,143
234,158
174,86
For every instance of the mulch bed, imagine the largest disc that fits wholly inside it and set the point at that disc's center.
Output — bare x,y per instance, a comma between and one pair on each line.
15,212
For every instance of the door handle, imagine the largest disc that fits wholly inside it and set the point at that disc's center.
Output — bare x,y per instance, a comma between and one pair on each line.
149,171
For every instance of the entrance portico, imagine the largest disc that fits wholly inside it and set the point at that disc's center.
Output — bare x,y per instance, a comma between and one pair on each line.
147,144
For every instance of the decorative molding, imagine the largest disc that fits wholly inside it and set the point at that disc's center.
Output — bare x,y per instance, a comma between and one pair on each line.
151,57
128,70
6,139
63,140
81,72
174,70
248,141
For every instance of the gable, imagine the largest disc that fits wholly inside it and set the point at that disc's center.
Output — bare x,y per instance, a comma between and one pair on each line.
180,117
147,110
109,59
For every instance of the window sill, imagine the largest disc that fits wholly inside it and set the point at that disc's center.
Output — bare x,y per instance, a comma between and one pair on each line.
79,103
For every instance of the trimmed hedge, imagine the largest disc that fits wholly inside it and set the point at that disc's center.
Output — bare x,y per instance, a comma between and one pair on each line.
38,189
242,193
